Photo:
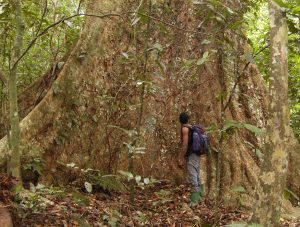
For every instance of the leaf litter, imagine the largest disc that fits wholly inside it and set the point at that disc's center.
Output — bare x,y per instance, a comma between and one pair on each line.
163,204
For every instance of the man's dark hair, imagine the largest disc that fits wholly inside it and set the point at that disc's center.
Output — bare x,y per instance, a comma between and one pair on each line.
183,118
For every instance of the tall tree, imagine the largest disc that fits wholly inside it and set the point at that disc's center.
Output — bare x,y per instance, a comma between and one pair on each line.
275,165
14,137
97,89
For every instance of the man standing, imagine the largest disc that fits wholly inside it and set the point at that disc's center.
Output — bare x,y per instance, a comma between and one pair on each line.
192,160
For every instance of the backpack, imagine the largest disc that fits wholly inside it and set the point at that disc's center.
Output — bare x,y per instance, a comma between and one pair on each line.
199,140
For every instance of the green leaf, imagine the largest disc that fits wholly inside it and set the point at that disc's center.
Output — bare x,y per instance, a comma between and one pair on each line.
162,66
220,19
80,199
146,181
236,25
158,47
205,41
40,186
71,165
248,56
135,21
296,10
189,62
95,118
32,187
139,150
105,217
235,124
113,218
56,88
292,26
69,23
259,154
236,225
144,18
253,129
232,124
197,2
127,132
88,187
138,178
288,194
113,222
127,174
223,95
229,10
239,189
281,3
141,217
203,59
163,194
125,55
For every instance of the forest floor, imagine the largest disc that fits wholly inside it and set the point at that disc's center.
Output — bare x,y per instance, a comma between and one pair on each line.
160,205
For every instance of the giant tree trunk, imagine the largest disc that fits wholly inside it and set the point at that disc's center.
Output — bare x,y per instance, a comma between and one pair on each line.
31,96
102,81
274,169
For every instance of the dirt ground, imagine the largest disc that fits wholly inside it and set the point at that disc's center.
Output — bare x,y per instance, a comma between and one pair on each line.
162,204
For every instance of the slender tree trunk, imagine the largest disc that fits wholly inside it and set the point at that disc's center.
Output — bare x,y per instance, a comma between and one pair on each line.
13,96
273,173
222,119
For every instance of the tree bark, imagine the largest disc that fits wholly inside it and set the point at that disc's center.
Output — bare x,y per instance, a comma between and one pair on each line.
5,217
275,165
31,96
98,88
14,137
3,78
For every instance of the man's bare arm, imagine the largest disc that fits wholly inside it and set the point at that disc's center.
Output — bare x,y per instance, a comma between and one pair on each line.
185,143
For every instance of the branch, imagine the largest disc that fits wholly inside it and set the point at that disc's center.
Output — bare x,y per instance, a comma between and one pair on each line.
240,76
43,16
79,6
33,41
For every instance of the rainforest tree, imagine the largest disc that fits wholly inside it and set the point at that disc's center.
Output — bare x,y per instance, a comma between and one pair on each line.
14,136
116,77
272,179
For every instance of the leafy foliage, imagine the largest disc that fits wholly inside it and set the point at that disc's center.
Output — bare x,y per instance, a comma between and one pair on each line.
105,182
112,218
95,180
34,165
35,199
37,16
257,29
141,182
231,124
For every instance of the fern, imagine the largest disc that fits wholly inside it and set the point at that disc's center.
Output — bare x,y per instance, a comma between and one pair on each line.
105,182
